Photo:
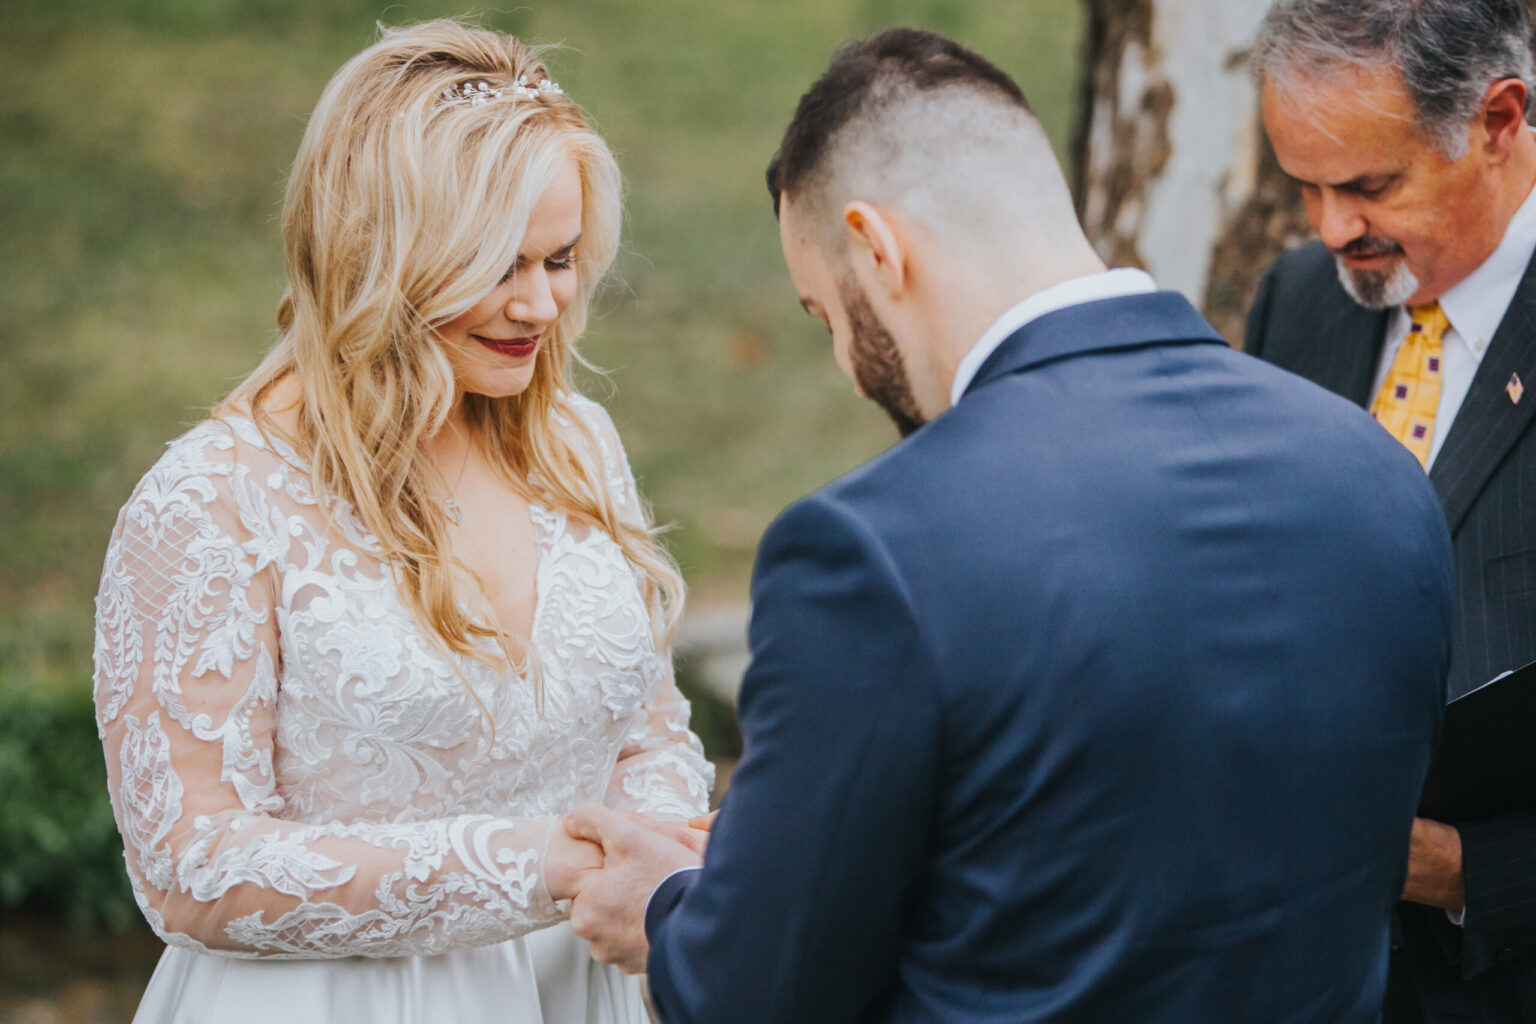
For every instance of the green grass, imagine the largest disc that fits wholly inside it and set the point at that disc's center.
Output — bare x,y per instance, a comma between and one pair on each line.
143,145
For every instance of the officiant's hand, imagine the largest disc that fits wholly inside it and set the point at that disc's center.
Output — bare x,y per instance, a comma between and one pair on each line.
1434,867
609,911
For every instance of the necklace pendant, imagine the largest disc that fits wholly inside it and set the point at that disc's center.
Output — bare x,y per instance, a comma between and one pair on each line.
455,512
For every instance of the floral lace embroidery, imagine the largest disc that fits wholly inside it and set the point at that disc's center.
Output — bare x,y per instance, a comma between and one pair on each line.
277,726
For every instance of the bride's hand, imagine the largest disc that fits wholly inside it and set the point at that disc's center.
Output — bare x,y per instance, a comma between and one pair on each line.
568,863
692,834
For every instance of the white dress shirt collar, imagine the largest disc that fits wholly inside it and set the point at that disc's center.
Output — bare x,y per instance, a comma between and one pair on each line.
1108,284
1475,307
1477,303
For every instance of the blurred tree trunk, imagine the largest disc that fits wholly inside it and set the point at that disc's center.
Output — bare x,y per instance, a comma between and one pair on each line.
1174,173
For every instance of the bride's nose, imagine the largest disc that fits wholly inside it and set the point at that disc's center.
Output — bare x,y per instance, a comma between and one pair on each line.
533,298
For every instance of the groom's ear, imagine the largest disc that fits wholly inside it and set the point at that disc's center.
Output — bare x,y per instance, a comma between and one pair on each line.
876,247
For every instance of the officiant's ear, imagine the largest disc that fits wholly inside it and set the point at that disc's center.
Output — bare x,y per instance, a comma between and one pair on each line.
876,247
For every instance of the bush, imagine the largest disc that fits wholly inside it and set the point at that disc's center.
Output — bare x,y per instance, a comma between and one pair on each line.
60,854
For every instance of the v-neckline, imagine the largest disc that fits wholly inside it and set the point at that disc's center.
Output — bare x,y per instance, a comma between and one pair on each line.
545,523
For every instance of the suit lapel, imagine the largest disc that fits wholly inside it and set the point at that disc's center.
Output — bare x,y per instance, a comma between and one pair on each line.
1347,369
1489,423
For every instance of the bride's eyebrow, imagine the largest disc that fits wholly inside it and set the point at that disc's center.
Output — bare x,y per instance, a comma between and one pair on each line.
567,247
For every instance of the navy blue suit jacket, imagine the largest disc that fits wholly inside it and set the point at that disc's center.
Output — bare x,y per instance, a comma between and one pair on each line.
1107,696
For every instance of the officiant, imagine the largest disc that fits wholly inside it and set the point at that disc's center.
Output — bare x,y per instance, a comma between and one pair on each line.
1405,125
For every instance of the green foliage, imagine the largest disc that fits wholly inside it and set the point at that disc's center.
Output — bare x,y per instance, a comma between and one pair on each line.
59,849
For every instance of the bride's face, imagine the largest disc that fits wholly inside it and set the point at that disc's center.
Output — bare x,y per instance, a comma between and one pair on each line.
494,345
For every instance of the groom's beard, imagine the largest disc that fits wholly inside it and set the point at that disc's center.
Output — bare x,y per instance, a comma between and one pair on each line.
877,364
1376,289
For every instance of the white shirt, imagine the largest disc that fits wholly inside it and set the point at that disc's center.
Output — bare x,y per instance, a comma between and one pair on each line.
1109,284
1474,306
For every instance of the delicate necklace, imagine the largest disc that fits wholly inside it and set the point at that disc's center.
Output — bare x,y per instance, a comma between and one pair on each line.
450,505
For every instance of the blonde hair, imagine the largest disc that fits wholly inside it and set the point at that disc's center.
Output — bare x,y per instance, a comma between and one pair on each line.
403,210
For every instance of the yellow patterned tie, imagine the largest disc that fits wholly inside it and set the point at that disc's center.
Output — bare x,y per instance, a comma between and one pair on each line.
1407,401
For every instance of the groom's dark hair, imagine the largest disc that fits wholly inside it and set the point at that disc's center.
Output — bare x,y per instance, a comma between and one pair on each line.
871,73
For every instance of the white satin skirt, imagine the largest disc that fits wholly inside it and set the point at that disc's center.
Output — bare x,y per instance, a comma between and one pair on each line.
545,977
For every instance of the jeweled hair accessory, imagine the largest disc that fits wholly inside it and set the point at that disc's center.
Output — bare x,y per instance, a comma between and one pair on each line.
478,90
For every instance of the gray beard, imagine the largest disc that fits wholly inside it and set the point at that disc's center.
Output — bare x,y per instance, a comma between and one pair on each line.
1376,289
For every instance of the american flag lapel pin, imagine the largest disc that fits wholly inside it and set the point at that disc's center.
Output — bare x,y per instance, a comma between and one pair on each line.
1515,389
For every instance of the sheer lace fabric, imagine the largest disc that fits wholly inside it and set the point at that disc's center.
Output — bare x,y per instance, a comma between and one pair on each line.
298,771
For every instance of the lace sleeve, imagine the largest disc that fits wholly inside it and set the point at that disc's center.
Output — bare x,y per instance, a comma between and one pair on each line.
661,769
186,687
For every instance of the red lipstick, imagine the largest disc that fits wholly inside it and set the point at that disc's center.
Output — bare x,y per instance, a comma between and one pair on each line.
515,348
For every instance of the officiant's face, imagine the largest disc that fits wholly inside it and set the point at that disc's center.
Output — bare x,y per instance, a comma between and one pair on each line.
864,349
1404,220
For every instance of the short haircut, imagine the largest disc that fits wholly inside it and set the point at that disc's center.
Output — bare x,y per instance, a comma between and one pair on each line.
1448,51
865,76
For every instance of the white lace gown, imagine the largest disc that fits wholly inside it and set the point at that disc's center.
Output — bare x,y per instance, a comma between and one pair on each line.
325,817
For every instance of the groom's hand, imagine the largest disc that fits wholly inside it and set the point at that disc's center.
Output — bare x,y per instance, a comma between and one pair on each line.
609,911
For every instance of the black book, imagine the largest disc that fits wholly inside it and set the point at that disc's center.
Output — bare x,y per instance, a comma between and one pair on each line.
1486,764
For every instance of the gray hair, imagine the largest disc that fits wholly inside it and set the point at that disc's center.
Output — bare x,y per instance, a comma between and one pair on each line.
1448,51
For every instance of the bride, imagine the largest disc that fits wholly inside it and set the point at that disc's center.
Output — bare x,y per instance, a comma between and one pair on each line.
365,634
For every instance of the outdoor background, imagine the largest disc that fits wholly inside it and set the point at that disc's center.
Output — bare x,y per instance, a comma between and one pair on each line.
143,149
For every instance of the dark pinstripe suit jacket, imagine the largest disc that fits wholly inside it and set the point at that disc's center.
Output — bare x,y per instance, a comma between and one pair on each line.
1485,476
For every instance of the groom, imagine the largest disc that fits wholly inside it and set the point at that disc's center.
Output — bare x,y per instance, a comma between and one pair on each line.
1107,694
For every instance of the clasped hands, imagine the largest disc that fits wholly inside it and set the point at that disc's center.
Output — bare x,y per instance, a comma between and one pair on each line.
608,863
